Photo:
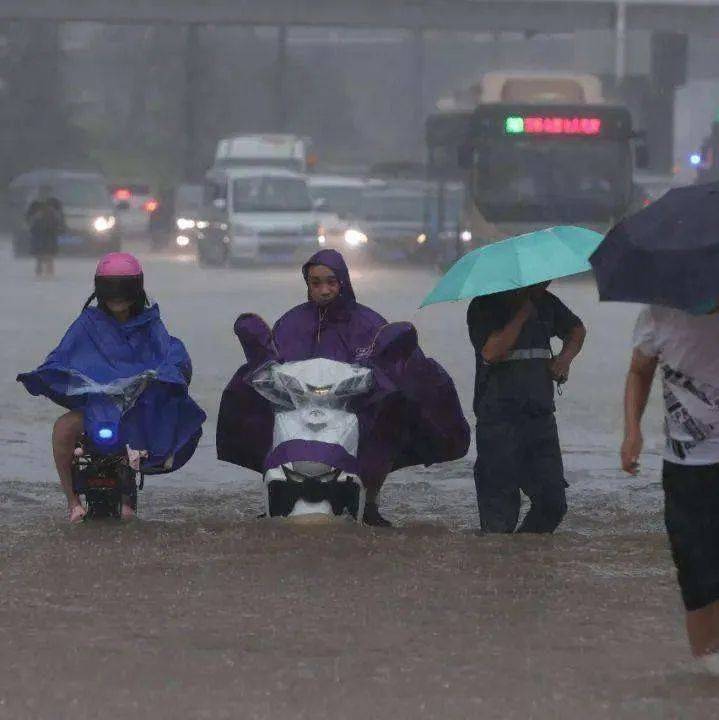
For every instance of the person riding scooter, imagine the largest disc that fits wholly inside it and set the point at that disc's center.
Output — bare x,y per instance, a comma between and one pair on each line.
120,337
412,416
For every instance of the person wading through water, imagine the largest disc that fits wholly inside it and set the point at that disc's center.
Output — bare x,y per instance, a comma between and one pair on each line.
685,348
517,440
46,223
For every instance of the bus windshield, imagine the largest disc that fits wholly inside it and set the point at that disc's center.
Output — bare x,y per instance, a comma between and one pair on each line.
546,179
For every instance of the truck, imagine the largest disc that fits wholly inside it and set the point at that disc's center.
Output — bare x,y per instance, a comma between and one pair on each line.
291,152
534,150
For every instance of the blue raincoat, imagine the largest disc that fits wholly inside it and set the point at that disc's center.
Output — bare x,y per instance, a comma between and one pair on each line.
98,352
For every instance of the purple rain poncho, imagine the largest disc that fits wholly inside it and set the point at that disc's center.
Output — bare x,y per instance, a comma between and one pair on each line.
411,417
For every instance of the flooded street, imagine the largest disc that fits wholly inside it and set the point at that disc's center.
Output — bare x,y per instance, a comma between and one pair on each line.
199,610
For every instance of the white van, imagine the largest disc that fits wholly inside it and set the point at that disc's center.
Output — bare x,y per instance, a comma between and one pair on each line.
259,214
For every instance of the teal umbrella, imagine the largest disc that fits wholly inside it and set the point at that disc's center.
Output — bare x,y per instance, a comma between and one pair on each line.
518,262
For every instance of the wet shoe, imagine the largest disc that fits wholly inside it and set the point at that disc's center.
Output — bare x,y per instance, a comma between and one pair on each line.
372,517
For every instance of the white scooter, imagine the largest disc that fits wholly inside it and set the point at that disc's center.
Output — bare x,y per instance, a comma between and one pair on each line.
315,439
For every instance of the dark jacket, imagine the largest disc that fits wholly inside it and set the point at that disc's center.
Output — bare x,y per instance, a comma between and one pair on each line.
45,224
520,386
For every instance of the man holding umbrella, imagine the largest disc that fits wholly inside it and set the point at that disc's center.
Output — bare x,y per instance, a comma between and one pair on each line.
667,256
517,439
511,321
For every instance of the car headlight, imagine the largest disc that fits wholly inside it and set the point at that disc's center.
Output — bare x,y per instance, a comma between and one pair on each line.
185,224
103,223
355,238
466,236
202,224
421,239
182,241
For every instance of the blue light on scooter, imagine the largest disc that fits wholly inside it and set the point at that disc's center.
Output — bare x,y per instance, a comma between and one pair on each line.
105,433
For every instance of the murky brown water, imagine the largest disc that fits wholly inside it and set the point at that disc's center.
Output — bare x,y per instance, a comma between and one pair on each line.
212,617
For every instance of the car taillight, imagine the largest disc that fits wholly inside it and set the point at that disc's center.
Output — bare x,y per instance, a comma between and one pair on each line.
122,194
150,206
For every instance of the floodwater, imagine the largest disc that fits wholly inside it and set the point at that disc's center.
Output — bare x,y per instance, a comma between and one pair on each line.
199,610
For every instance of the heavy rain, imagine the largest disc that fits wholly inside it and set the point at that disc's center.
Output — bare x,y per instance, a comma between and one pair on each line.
222,144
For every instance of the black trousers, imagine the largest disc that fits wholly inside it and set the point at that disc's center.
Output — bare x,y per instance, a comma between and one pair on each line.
691,513
521,454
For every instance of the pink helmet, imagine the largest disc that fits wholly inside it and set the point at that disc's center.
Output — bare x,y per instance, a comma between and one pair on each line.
118,264
119,277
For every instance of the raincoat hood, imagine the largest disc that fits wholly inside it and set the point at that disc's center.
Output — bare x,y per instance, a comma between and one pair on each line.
335,262
341,330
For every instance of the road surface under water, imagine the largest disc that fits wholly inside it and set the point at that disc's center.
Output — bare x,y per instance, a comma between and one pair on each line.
199,610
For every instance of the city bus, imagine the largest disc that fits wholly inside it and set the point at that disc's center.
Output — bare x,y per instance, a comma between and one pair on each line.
527,166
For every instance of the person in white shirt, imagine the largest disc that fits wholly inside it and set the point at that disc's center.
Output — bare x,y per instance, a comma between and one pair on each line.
685,348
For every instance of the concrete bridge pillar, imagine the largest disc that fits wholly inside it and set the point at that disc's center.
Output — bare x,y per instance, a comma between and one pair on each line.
668,71
419,69
282,89
191,100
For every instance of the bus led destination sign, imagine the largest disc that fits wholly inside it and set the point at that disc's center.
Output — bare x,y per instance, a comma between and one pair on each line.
540,125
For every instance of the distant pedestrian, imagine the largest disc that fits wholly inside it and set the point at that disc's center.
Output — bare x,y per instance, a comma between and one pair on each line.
517,441
45,223
685,347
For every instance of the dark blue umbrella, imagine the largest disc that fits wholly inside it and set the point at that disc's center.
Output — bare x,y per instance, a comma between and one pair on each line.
666,254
